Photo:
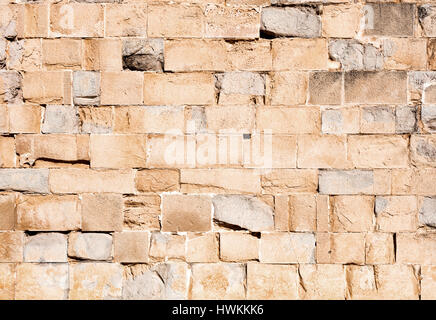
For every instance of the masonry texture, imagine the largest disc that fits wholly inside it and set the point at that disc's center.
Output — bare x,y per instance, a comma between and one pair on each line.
111,186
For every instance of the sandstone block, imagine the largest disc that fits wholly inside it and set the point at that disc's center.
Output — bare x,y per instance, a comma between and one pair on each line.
126,20
299,54
142,212
149,119
231,22
287,181
95,281
352,213
378,119
322,281
167,246
10,87
379,248
378,151
287,248
354,55
179,89
423,150
325,88
61,54
342,248
85,180
396,213
401,24
76,20
281,83
382,282
102,54
129,86
96,120
86,87
340,121
404,54
186,213
272,282
291,22
25,54
11,246
175,20
120,151
341,21
32,21
7,211
143,55
102,212
219,181
31,180
90,246
157,180
428,118
288,120
46,247
302,213
48,213
7,156
322,152
218,281
371,87
426,14
202,248
45,281
427,211
416,248
346,182
132,246
196,55
428,282
7,281
60,119
246,212
58,147
47,87
24,118
247,248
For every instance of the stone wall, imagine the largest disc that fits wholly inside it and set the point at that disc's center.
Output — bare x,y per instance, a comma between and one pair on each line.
218,149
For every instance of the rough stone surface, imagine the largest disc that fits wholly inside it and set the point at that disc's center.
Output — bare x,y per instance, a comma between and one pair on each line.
427,211
218,281
90,246
144,55
46,247
243,211
86,87
354,55
60,119
293,21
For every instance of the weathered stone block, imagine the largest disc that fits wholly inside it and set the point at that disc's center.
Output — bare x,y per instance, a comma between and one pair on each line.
90,246
287,248
48,213
45,281
102,212
46,247
186,213
246,212
218,281
143,55
299,22
266,281
60,119
396,213
86,87
31,180
247,248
